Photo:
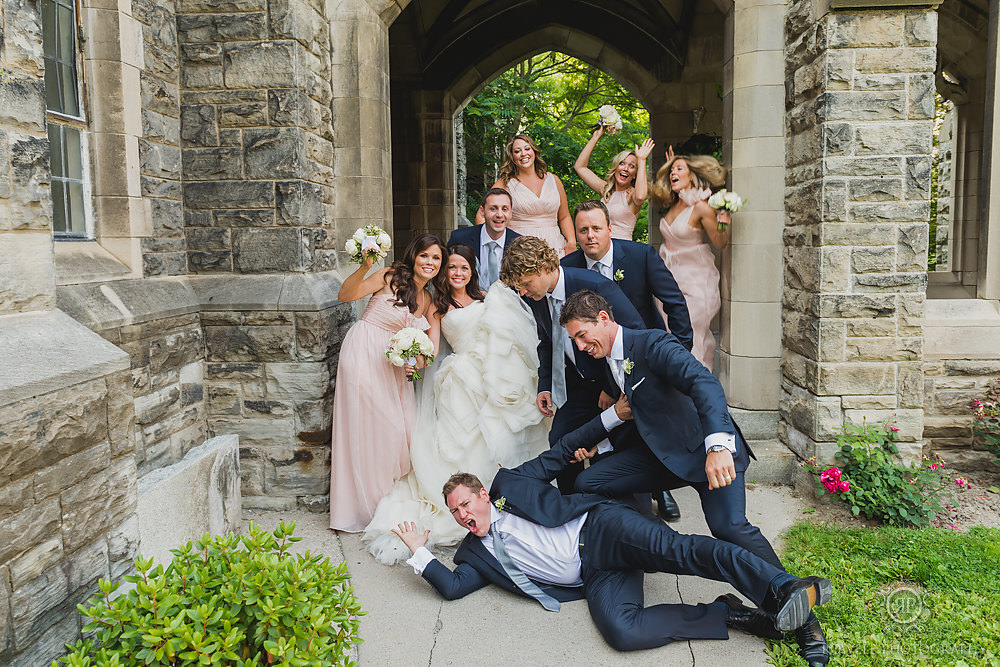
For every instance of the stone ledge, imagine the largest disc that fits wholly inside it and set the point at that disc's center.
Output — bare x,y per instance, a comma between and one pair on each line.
199,494
47,351
86,262
962,329
775,464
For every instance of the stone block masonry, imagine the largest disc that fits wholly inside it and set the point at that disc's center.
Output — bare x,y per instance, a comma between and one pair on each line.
859,103
257,137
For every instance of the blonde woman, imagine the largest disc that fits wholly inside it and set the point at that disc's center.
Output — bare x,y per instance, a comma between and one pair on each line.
623,189
682,185
539,207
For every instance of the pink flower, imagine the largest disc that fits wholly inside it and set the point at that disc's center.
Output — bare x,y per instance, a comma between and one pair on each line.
913,481
830,474
893,428
844,487
961,481
934,466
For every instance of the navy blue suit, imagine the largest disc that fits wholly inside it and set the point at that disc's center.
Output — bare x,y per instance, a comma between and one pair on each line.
644,275
583,385
616,545
471,236
676,403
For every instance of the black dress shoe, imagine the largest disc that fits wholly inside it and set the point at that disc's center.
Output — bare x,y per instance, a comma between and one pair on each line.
748,619
667,507
812,644
792,603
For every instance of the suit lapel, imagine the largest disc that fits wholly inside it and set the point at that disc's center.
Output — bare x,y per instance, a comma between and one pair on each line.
628,341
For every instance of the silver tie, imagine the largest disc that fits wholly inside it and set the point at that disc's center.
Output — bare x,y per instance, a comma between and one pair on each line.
558,356
602,269
520,579
492,263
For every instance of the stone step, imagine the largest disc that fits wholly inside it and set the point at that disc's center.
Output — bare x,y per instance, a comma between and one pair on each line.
775,464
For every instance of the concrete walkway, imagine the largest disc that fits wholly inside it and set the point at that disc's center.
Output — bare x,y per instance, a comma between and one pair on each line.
408,624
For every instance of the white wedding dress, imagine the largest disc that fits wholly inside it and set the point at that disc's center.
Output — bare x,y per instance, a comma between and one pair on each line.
475,412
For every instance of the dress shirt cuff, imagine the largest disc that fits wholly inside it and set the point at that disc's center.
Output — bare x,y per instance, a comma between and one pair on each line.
610,419
420,559
605,446
726,439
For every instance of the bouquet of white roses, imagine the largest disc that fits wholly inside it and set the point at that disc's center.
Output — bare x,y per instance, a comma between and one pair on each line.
723,200
610,119
405,345
369,241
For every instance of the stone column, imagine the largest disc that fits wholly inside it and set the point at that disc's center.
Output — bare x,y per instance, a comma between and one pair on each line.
860,103
989,247
750,319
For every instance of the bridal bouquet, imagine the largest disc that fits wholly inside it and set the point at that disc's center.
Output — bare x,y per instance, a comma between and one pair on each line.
369,241
405,345
723,200
610,119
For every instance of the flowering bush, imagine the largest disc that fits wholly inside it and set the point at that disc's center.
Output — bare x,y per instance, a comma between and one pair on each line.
986,417
873,482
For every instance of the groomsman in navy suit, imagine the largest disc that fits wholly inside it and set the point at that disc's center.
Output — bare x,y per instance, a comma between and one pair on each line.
568,380
642,276
686,435
527,538
492,238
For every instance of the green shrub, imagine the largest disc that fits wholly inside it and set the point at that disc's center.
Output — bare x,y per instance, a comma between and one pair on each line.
875,484
986,417
225,600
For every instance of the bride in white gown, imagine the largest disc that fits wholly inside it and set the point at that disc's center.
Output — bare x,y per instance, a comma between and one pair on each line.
475,407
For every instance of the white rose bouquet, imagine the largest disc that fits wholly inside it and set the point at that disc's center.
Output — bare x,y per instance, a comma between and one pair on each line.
405,345
610,119
723,200
369,241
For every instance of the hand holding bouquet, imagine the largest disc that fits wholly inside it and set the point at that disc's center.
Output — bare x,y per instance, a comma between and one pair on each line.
406,345
370,241
725,202
609,119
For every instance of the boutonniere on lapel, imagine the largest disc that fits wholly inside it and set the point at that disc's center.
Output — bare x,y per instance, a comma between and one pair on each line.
500,503
627,366
619,276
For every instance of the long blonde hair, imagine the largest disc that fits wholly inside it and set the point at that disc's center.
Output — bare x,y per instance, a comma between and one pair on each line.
706,172
509,168
609,178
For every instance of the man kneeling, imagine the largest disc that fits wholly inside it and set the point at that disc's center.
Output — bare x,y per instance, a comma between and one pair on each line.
529,539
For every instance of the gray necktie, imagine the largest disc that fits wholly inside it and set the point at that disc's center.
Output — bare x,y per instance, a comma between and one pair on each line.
617,372
520,579
558,356
492,263
603,270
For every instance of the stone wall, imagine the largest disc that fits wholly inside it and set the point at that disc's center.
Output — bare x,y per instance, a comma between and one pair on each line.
860,104
27,279
67,484
257,135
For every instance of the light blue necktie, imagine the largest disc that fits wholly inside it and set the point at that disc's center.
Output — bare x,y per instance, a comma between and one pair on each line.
558,356
492,264
520,579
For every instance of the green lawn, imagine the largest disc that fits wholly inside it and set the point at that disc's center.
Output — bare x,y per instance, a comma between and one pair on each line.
901,596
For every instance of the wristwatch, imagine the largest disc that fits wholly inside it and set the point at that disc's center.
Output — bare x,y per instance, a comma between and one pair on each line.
717,448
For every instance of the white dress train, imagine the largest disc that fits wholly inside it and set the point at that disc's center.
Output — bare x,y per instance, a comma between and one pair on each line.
475,412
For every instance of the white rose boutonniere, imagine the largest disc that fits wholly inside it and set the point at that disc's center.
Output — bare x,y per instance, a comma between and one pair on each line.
627,366
619,276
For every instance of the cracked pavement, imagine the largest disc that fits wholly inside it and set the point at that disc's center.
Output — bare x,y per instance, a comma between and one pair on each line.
408,624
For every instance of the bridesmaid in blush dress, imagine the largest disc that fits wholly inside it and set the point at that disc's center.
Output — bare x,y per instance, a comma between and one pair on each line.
373,403
682,186
623,189
538,199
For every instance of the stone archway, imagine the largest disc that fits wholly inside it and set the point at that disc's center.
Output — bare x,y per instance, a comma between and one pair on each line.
403,68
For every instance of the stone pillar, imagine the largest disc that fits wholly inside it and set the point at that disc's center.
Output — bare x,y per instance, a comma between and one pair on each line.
361,138
860,104
256,126
27,273
989,247
750,319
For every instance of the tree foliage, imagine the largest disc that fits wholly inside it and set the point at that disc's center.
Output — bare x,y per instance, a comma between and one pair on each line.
553,98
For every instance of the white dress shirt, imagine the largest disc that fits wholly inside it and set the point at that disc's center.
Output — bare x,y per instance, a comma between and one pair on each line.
607,268
546,555
616,361
484,255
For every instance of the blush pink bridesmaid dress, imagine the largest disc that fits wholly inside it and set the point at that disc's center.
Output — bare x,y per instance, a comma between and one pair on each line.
692,263
622,217
373,414
533,215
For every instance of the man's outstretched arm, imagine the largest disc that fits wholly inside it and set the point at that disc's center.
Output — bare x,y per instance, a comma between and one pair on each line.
449,584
